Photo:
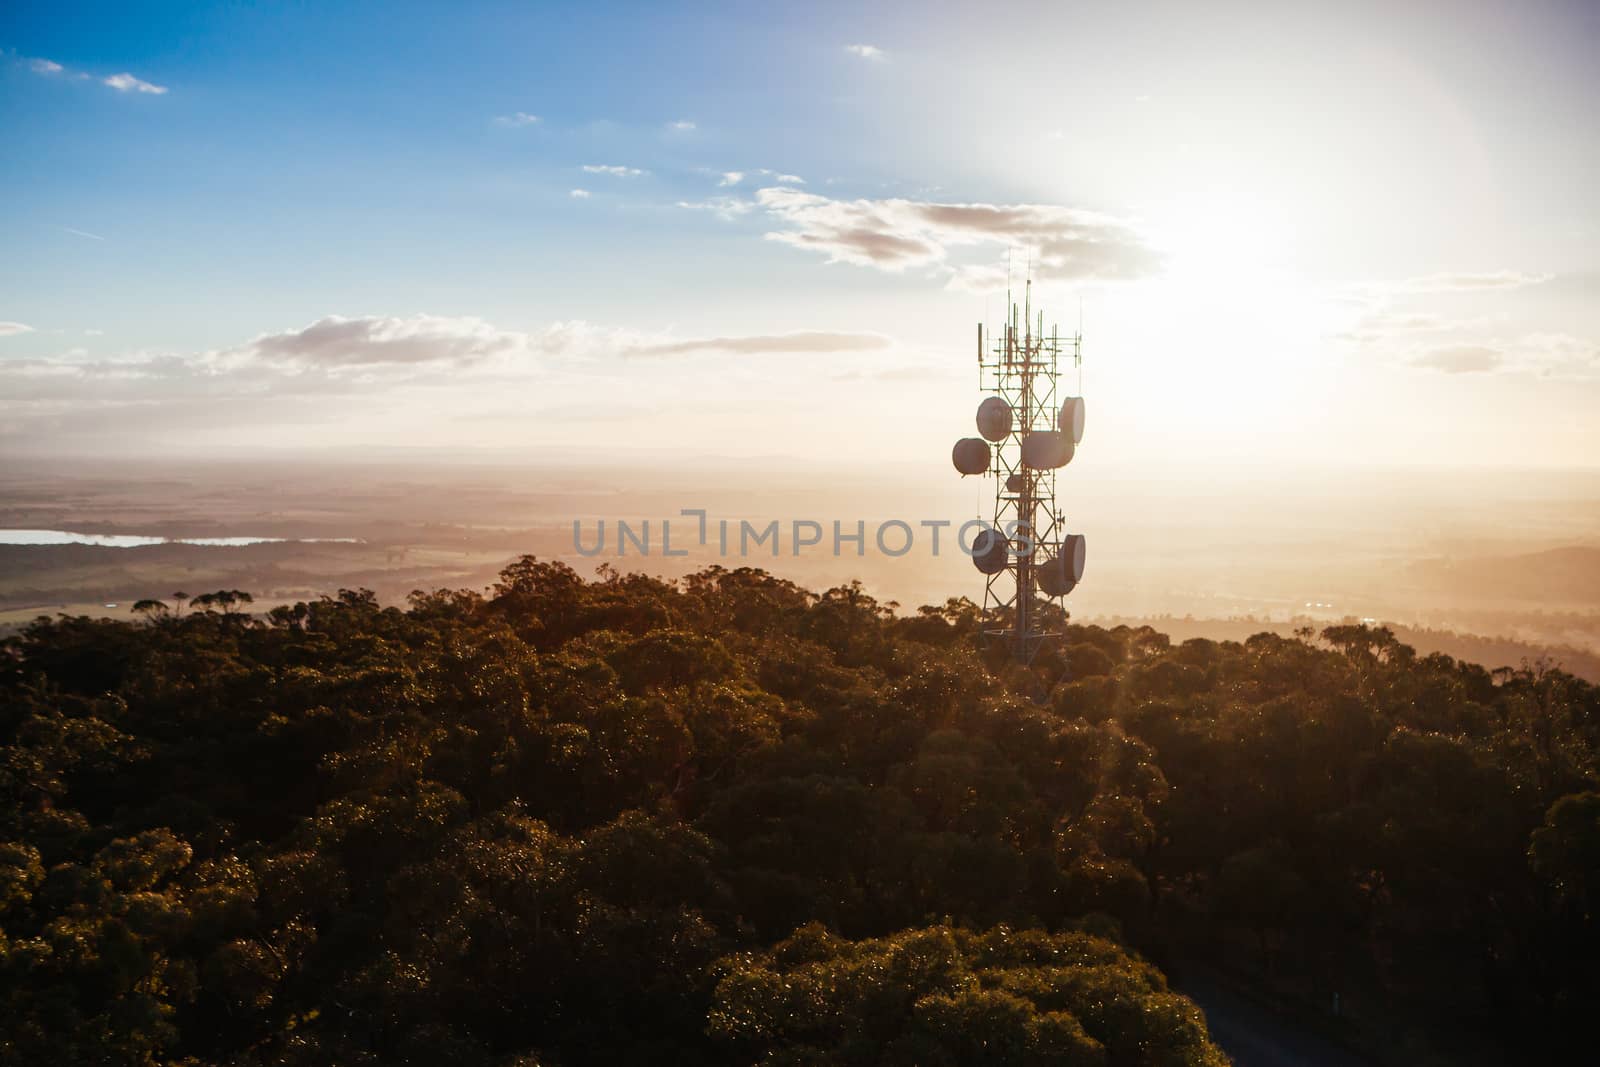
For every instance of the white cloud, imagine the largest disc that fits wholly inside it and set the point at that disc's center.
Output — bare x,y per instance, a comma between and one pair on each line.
83,233
58,403
517,118
1557,355
1460,359
11,329
1457,282
1066,244
613,170
866,51
800,341
777,176
338,344
334,342
726,208
1395,329
323,373
122,83
728,178
399,348
1554,356
1402,322
1384,327
127,83
579,194
904,373
681,126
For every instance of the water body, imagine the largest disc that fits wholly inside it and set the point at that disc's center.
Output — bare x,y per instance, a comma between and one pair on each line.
67,537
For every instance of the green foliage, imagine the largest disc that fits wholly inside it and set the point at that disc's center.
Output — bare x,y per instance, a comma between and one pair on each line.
1565,852
725,820
952,996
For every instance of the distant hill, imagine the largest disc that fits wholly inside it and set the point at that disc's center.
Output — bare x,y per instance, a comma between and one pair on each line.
1490,652
1556,576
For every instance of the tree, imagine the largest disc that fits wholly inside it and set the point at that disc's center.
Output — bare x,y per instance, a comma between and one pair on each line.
947,996
152,610
228,600
1565,854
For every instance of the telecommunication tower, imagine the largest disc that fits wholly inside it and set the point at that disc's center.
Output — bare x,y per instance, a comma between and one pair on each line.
1034,431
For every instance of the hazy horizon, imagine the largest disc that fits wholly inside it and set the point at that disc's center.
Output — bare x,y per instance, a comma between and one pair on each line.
1464,551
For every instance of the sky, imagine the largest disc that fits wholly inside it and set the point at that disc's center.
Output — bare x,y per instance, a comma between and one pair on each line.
1341,234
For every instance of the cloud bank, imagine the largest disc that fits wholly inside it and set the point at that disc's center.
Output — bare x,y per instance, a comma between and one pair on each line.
1065,244
1466,282
377,348
1460,359
1398,330
309,375
802,341
1551,356
367,342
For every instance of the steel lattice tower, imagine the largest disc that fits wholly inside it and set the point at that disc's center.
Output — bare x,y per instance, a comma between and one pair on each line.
1020,369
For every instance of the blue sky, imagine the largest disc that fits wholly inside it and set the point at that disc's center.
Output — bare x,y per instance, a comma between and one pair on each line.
1262,212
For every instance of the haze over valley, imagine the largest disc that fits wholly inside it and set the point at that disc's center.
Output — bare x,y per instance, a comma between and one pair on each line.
1502,555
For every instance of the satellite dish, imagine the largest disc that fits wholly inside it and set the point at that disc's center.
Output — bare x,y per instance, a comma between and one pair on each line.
971,455
1015,483
1074,550
994,419
1058,576
1071,419
1045,450
990,552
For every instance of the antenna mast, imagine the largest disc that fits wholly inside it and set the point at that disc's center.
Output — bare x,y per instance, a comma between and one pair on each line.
1027,556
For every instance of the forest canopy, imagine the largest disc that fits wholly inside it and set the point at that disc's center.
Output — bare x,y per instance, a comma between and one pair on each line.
726,820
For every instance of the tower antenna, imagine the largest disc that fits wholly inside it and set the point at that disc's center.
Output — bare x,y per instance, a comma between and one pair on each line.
1028,431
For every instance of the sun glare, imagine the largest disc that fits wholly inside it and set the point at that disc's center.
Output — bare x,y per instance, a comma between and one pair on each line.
1234,331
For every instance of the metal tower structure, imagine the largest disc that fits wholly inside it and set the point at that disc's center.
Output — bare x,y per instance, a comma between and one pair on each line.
1034,431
